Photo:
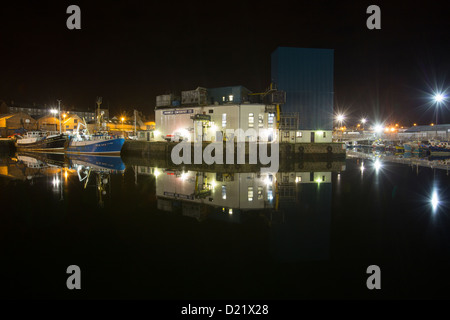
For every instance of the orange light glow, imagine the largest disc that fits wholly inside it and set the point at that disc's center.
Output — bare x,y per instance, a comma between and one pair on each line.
392,129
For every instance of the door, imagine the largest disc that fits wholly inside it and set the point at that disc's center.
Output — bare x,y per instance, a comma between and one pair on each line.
313,135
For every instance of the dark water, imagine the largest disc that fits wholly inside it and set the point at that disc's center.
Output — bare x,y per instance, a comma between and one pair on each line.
137,231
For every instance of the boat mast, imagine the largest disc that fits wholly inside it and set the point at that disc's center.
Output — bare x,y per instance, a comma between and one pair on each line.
99,123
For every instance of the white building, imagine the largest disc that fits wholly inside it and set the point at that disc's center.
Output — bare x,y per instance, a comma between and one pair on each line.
193,123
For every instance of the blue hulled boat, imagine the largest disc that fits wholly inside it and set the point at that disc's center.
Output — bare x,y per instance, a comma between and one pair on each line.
95,144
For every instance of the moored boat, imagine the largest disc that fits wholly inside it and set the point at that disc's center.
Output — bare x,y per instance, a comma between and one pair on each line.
42,141
95,144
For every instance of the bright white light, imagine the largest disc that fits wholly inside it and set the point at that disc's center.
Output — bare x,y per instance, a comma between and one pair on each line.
156,172
439,97
183,132
340,117
362,168
184,175
363,120
54,111
213,184
379,128
214,128
230,211
55,182
434,200
377,164
156,133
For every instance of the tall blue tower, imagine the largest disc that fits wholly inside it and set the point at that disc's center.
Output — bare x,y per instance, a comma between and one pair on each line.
307,77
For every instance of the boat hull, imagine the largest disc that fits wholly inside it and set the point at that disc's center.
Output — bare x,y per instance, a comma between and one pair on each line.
55,143
104,147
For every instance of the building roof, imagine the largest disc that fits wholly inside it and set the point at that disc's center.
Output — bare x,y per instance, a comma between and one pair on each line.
437,127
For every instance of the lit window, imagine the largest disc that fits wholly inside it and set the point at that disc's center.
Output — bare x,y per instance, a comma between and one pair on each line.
298,179
224,192
224,120
223,98
250,193
270,120
260,193
299,134
251,120
230,97
260,120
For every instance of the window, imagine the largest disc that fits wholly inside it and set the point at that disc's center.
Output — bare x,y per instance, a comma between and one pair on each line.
323,178
224,120
299,134
74,127
270,119
211,111
250,193
223,98
286,134
67,127
324,134
230,97
298,179
75,120
260,121
260,193
224,192
251,120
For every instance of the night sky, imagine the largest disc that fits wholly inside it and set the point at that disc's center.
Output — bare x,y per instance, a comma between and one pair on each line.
130,51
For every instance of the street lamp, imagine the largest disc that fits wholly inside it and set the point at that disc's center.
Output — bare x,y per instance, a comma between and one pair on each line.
363,121
122,125
340,118
438,98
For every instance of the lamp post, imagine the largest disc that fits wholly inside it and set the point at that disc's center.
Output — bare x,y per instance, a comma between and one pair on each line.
59,113
340,118
363,121
122,125
438,98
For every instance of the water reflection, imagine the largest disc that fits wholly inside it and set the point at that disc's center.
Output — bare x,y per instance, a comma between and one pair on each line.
57,169
294,205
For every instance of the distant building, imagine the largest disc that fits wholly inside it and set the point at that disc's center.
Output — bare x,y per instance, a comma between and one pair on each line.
11,122
439,131
306,75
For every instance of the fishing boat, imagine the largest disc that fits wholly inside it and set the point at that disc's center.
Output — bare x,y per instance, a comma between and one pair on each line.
42,141
437,147
100,143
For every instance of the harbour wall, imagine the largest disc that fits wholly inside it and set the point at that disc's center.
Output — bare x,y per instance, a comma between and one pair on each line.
288,152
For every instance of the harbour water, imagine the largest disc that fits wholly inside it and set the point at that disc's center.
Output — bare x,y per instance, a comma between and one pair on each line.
145,232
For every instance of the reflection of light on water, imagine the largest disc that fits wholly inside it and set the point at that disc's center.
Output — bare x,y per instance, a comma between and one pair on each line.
377,165
434,200
55,182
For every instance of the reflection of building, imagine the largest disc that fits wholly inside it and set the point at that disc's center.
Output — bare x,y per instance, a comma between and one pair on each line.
230,192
